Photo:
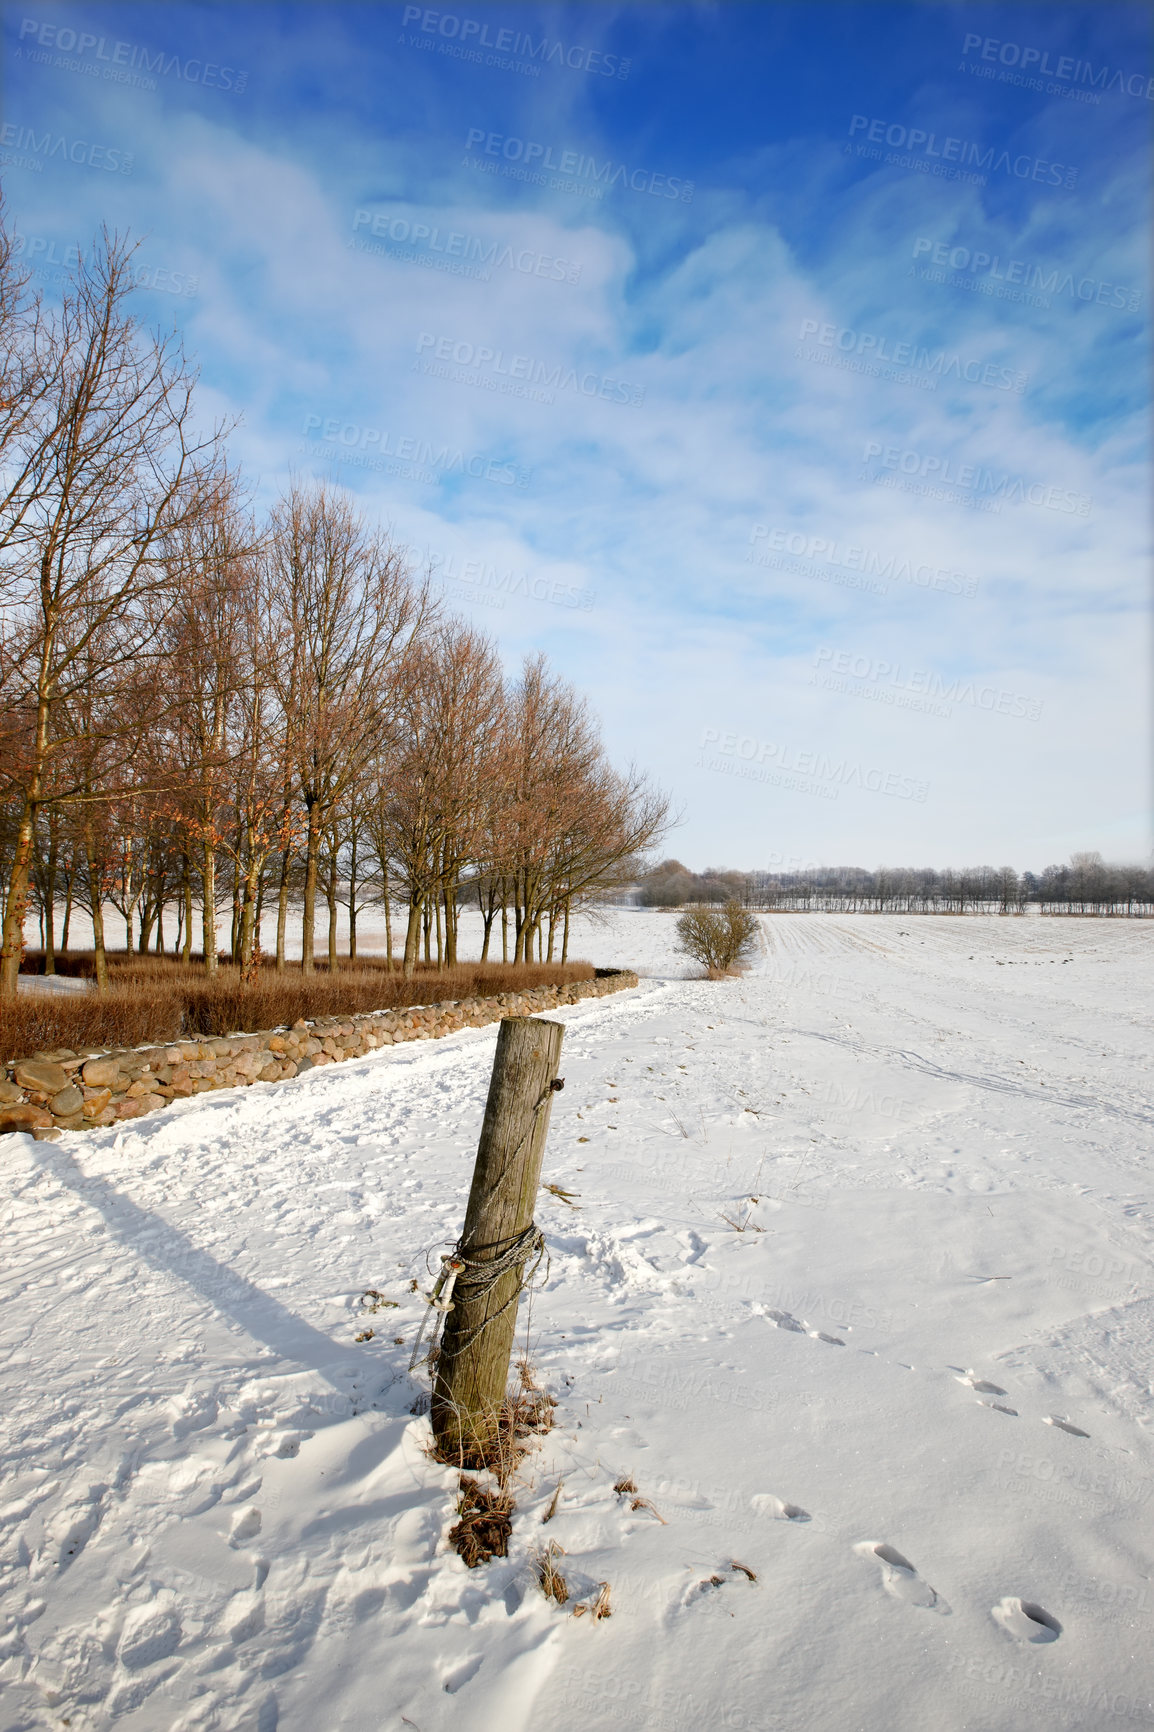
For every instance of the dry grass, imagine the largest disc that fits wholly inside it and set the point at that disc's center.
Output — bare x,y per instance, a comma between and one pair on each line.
485,1525
526,1411
600,1607
152,1000
552,1582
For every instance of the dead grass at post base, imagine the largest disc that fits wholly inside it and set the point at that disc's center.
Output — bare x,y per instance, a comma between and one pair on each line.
485,1525
525,1412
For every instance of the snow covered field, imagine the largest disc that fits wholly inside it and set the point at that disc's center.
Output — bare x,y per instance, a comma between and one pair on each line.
862,1259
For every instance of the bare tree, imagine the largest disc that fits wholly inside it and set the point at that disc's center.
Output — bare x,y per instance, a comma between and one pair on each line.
100,475
349,609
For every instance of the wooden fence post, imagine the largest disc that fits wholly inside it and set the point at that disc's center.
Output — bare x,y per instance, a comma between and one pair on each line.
472,1367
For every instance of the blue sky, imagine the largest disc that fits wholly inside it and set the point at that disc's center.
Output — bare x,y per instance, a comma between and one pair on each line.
781,370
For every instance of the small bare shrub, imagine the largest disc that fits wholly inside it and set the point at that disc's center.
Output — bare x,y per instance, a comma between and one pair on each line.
720,939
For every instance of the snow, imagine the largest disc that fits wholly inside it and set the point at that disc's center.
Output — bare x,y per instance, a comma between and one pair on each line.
859,1293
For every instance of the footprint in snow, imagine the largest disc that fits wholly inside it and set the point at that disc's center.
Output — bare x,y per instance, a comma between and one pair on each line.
1025,1621
900,1578
999,1407
1064,1425
820,1335
766,1504
245,1528
785,1321
462,1673
980,1384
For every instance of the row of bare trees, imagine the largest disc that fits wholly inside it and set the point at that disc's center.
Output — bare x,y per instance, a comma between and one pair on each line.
1087,885
199,707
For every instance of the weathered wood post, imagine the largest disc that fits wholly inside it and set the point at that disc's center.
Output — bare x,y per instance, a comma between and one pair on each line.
472,1367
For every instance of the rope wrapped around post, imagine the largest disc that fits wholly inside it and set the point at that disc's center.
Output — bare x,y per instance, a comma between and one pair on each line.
474,1279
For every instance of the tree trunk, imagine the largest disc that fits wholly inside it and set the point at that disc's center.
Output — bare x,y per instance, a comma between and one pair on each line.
309,912
451,927
388,923
412,938
234,930
19,878
208,910
64,931
353,899
50,907
331,898
96,900
186,956
565,939
473,1363
250,914
282,911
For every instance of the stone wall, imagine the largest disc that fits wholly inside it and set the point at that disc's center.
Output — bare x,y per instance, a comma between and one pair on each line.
56,1091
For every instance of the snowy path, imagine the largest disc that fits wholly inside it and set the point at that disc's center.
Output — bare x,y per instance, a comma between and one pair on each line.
932,1332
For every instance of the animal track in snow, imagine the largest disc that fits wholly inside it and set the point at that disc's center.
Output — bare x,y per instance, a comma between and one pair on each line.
901,1579
784,1320
820,1335
1000,1407
1064,1425
981,1385
766,1504
730,1572
1025,1621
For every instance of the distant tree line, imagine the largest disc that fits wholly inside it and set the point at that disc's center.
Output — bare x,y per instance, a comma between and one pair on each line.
1087,885
207,713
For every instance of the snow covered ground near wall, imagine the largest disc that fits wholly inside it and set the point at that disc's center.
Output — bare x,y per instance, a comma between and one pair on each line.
859,1294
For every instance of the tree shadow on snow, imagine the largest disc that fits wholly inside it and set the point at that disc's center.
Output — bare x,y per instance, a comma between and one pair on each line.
168,1250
